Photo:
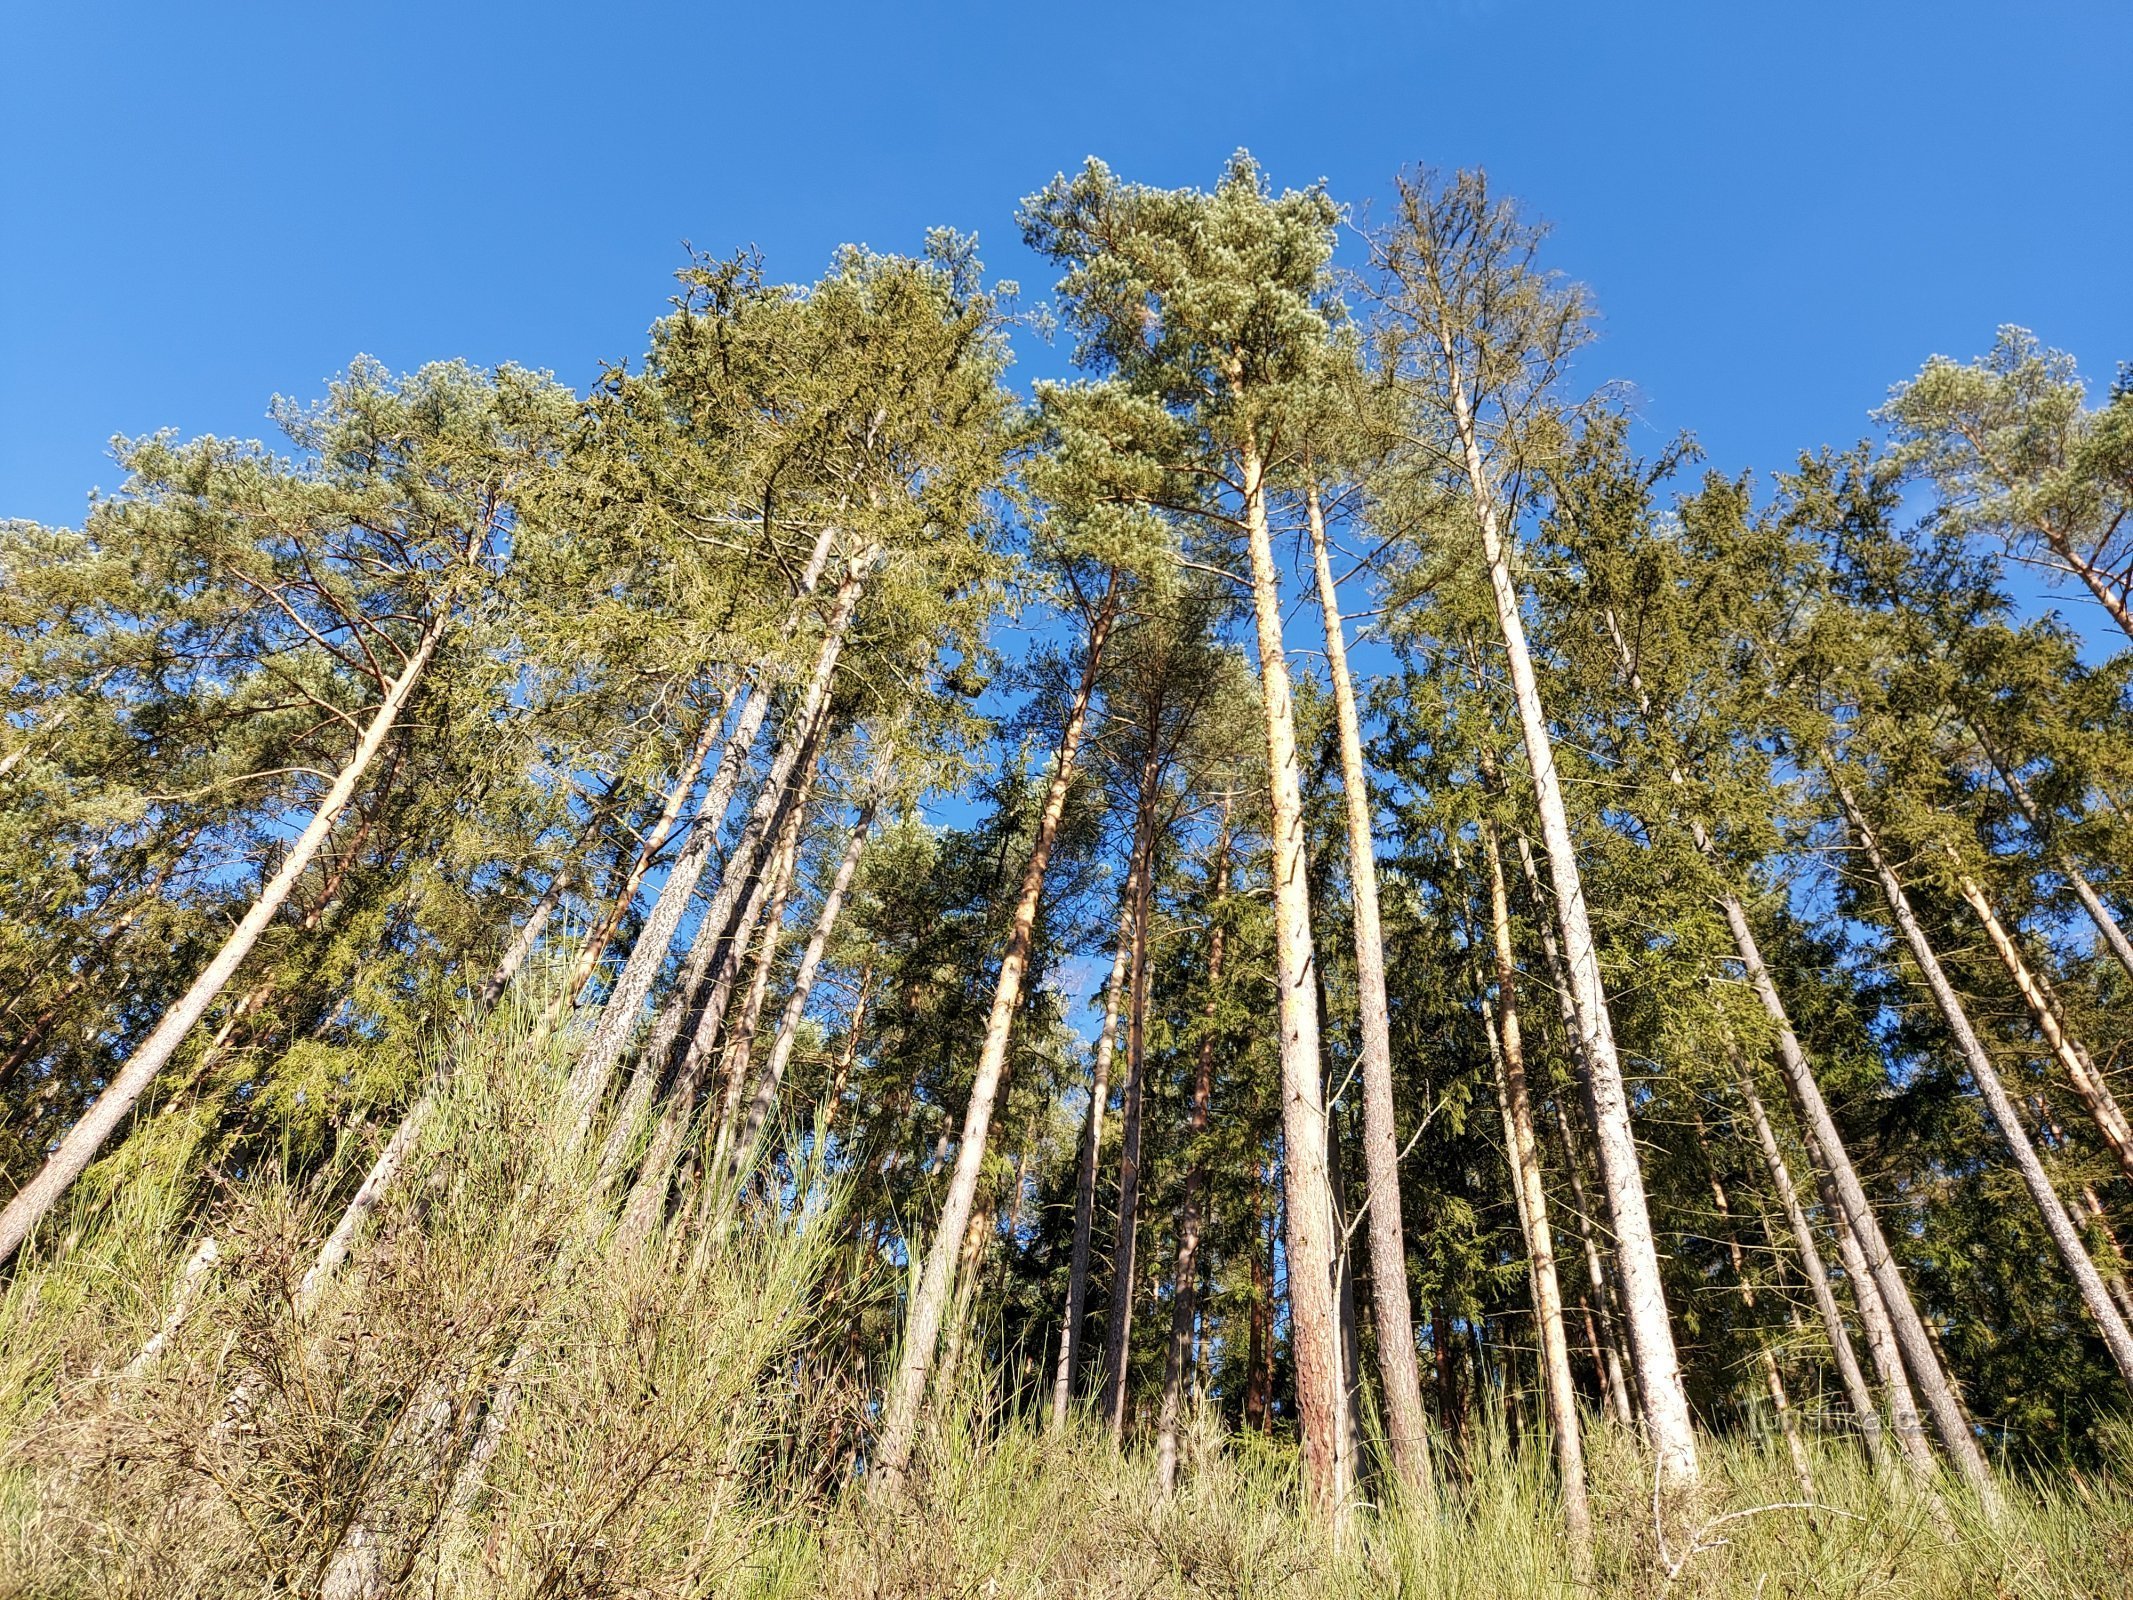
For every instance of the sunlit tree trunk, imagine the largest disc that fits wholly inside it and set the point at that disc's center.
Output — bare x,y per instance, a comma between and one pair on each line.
619,1015
1668,1424
854,1031
1522,1148
929,1302
96,1125
2065,1237
2107,927
773,1074
1398,1374
2094,1094
1314,1332
1806,1247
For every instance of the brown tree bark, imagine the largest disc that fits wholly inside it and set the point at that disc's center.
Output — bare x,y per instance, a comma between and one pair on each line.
1398,1374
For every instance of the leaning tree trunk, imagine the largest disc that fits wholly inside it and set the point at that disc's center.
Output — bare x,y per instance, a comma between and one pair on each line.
1668,1423
773,1075
2107,927
1856,1392
1523,1151
619,1015
1877,1280
1091,1152
1773,1378
1185,1280
2094,1094
1398,1374
2064,1235
929,1303
1314,1330
1621,1400
101,1120
1118,1331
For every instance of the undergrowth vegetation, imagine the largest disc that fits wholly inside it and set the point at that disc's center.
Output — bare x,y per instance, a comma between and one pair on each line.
682,1418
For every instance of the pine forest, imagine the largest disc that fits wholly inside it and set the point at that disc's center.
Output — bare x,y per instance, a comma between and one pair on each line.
1300,962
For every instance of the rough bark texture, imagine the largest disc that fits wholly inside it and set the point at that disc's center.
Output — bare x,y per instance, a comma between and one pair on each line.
101,1120
929,1303
1523,1151
2065,1237
1398,1373
1668,1424
1313,1319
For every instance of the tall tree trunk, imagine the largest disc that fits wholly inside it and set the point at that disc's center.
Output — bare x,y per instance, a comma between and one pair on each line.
1668,1424
619,1015
2107,927
763,910
1258,1405
2094,1094
773,1074
1070,1329
1523,1150
2116,1336
929,1304
1804,1244
1185,1280
1883,1296
1398,1373
1314,1333
1118,1331
96,1125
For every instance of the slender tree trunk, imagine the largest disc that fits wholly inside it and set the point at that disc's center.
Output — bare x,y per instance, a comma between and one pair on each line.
833,1097
1258,1403
764,910
1856,1392
773,1075
2107,927
1314,1333
1398,1372
2089,1087
1523,1149
619,1015
1883,1296
2116,1336
929,1304
1118,1333
1666,1403
101,1120
1091,1148
1185,1280
1773,1378
2114,1268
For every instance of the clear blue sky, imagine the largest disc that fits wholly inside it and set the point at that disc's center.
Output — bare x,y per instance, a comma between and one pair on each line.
1781,208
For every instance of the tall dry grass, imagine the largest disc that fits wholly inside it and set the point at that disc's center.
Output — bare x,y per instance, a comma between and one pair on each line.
688,1424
